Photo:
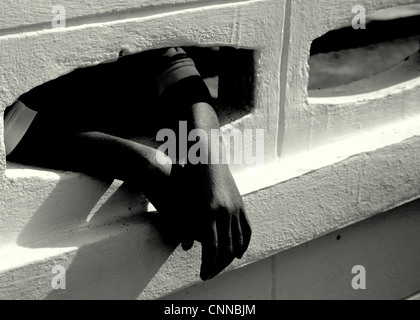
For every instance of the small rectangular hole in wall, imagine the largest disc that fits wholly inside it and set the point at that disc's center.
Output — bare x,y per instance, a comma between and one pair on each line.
350,61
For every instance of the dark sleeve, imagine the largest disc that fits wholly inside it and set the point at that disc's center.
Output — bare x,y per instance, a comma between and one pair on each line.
177,80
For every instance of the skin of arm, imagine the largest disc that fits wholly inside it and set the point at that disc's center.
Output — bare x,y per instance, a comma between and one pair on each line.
216,210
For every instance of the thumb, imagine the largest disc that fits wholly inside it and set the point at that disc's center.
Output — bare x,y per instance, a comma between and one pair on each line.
187,243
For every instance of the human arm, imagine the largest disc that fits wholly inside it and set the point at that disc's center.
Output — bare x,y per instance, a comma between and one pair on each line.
215,214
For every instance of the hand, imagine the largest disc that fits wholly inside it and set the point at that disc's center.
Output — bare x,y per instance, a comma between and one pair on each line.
216,218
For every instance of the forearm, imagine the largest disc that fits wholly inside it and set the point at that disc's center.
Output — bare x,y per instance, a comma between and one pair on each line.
203,118
186,100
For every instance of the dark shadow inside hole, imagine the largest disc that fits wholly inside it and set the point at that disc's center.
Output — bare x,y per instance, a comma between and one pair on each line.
86,94
348,55
229,74
376,31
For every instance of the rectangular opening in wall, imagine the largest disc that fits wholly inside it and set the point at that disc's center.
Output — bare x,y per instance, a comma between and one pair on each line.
76,97
349,61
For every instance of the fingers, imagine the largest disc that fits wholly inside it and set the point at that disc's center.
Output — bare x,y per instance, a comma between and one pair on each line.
241,234
187,236
223,261
187,244
238,239
227,238
224,233
234,234
225,250
246,233
209,252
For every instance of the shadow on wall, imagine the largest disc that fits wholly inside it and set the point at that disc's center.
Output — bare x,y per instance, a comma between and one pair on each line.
120,248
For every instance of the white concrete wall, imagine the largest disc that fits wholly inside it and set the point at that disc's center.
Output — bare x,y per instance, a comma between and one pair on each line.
329,162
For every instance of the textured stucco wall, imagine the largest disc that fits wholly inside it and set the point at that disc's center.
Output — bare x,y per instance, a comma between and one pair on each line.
330,162
309,122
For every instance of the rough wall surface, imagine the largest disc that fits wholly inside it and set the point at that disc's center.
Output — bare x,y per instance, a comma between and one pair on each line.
330,162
